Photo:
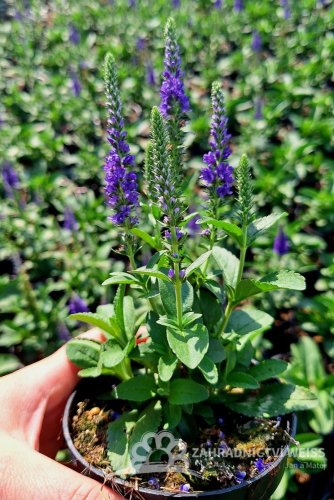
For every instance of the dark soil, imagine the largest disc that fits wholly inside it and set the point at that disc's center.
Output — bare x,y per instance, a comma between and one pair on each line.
215,456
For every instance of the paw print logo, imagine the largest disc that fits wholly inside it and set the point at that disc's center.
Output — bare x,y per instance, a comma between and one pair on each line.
159,452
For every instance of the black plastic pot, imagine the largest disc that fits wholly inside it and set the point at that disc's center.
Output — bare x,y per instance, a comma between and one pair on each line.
260,487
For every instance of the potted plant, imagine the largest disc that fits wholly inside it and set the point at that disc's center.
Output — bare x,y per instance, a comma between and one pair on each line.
173,402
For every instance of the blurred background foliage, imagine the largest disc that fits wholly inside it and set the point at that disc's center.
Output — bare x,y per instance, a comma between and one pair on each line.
274,59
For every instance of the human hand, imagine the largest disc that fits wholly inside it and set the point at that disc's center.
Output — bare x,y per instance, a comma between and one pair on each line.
32,404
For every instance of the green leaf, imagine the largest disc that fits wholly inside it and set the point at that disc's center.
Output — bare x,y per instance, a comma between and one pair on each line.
210,307
9,363
95,320
83,352
215,289
166,366
188,218
267,369
93,372
243,321
118,444
241,379
145,237
209,370
189,318
119,306
216,351
153,273
197,263
112,355
121,279
245,351
129,315
167,293
157,333
309,439
231,357
280,280
172,416
186,391
106,311
148,421
228,264
312,361
327,383
260,226
232,230
288,280
155,259
189,345
139,388
272,400
322,417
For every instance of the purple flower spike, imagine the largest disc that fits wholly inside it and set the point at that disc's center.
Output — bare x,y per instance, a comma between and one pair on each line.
260,465
281,243
238,5
74,35
182,274
286,9
256,42
70,222
10,179
176,4
140,44
150,76
121,182
173,97
218,174
76,84
218,4
63,333
77,305
258,115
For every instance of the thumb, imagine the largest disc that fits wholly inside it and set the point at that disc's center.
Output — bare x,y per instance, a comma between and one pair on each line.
43,390
27,474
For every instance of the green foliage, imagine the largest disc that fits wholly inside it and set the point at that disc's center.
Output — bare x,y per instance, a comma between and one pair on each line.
140,388
190,344
273,399
243,321
55,141
186,391
307,370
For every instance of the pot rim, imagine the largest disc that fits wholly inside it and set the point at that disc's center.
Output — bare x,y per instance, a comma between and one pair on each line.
160,493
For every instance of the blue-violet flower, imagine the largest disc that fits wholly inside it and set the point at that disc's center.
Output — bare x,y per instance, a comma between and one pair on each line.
121,182
218,174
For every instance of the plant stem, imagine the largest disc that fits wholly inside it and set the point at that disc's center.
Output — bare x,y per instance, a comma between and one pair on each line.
132,261
178,281
243,251
228,312
231,304
129,249
242,263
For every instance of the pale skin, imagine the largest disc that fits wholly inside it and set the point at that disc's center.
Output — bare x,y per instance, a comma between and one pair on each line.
31,406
